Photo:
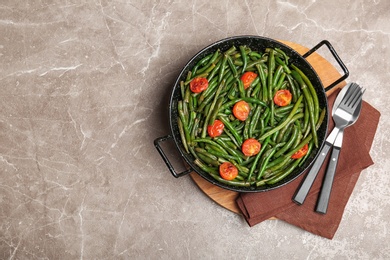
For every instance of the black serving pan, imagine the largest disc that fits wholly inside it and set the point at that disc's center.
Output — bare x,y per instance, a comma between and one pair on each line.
256,43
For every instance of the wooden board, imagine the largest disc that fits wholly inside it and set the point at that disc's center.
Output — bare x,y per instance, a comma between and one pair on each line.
327,73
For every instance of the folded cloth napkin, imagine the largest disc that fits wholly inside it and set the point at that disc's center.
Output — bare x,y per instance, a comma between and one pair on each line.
354,157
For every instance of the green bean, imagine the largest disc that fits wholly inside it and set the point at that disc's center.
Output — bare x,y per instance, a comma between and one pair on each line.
306,118
266,160
211,170
204,152
281,62
211,142
232,129
210,62
245,133
191,120
263,80
276,165
232,183
310,105
207,120
182,89
256,90
270,77
285,122
277,74
231,50
254,164
281,83
289,143
231,151
232,138
222,154
214,71
232,66
214,113
255,54
222,68
311,89
254,120
293,88
241,89
284,174
207,159
183,134
200,63
243,57
194,129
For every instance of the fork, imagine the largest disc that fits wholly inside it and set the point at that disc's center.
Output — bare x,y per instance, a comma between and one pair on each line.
323,200
344,115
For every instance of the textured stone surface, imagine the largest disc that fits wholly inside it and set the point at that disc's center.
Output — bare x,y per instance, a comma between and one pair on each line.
84,92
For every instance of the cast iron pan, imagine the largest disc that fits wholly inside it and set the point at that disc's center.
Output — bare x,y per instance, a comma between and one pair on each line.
256,43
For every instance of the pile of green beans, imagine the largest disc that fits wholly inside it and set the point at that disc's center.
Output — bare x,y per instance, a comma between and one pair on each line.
282,131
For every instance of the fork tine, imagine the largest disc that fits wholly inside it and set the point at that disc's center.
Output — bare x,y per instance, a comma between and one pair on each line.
359,97
350,92
353,96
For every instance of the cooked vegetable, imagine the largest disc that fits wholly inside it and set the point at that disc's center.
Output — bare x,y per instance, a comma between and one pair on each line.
228,171
241,110
251,147
198,85
282,97
216,129
248,117
247,78
301,152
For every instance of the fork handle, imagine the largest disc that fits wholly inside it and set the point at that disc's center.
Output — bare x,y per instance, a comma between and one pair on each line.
306,184
323,200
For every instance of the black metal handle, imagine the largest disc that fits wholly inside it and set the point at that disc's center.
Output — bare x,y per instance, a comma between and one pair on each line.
165,157
306,184
337,58
323,200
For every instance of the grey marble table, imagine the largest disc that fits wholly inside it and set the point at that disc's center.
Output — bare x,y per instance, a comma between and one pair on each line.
84,92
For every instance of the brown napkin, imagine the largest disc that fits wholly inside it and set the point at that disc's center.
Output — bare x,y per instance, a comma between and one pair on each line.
354,157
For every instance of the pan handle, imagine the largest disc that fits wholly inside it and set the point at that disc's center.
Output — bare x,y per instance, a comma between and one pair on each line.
165,157
337,58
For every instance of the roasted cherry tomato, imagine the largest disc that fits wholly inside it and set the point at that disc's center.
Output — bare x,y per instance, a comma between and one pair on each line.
216,129
282,97
228,171
198,85
241,110
247,78
251,147
301,152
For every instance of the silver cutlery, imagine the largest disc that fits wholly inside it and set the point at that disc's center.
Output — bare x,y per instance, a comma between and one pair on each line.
354,105
343,110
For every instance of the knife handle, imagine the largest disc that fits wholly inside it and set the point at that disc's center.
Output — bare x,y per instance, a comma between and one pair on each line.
306,184
323,200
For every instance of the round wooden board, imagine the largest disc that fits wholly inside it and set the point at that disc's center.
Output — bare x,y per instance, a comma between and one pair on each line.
327,73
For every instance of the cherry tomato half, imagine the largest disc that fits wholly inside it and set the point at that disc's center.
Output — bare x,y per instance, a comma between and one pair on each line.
301,152
282,97
198,85
251,147
241,110
216,129
247,78
228,171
